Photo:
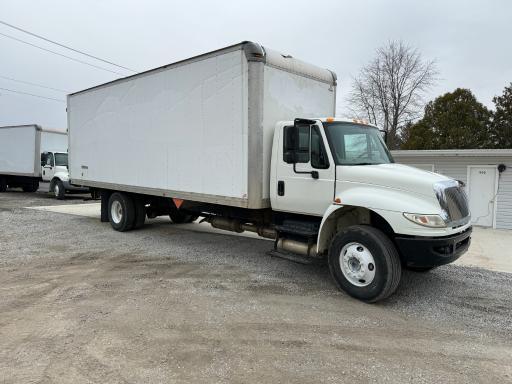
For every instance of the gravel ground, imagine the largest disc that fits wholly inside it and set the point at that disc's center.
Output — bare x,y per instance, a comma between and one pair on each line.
82,303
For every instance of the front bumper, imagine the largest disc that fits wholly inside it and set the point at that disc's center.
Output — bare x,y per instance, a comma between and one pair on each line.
417,251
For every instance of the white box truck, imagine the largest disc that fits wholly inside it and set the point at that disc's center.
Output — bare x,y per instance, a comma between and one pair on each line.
242,137
30,154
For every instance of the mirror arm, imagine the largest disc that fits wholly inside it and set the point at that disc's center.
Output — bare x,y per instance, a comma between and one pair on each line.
314,174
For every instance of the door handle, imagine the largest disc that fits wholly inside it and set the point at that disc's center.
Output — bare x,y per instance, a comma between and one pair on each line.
280,188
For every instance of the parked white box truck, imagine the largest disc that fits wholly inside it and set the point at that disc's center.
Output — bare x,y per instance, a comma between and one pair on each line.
241,137
29,154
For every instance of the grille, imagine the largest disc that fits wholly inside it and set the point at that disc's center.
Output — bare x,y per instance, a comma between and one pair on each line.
453,200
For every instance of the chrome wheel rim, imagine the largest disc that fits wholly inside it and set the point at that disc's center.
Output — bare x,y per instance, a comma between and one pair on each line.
357,264
56,189
116,211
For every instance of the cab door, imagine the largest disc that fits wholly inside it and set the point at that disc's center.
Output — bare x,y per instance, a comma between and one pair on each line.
305,171
48,170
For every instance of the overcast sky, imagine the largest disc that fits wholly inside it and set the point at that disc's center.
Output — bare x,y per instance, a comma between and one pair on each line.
470,40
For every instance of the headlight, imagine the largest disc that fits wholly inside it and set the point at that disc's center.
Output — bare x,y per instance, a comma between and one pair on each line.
434,221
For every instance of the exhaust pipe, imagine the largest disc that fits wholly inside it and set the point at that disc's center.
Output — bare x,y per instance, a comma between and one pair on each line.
235,226
284,244
297,247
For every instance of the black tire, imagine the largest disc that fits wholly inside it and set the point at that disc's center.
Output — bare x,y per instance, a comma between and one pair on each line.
58,190
124,217
178,217
31,188
388,269
3,184
421,269
140,213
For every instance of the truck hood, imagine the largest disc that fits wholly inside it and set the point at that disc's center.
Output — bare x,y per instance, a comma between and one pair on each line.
394,176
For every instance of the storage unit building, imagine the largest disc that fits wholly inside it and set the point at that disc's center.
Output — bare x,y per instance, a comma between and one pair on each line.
487,174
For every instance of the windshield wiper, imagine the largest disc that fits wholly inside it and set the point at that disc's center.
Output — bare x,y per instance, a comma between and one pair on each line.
364,164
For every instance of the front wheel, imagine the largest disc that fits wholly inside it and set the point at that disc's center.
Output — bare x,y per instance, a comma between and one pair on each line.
58,190
364,263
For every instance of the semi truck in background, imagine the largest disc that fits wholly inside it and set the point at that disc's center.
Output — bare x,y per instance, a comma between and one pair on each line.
30,154
242,138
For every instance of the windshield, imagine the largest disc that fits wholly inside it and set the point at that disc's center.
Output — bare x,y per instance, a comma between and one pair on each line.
354,144
61,159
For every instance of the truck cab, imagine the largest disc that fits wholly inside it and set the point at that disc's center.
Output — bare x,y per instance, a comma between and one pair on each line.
341,173
54,169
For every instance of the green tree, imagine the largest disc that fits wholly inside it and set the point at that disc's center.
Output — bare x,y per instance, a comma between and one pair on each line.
501,126
455,120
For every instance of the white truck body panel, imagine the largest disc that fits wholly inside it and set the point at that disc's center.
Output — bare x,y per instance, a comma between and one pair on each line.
53,141
21,148
200,129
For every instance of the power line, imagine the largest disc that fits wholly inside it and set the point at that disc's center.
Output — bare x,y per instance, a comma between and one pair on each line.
32,94
60,54
65,46
35,84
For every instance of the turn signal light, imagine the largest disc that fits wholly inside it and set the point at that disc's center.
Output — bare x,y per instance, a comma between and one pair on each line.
434,221
337,200
330,119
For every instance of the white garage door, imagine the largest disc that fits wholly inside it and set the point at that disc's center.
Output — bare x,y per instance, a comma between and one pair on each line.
482,184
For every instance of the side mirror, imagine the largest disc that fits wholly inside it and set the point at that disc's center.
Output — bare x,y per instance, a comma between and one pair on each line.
289,157
44,156
291,143
292,139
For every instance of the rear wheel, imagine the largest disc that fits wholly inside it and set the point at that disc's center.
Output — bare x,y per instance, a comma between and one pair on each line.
140,213
178,217
33,187
3,184
58,190
121,211
364,263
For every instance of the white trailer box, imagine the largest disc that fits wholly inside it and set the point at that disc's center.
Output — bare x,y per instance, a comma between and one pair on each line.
21,148
199,129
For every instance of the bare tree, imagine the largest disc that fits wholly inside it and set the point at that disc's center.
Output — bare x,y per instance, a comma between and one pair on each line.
388,91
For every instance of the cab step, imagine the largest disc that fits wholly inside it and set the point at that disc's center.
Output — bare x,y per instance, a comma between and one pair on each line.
306,260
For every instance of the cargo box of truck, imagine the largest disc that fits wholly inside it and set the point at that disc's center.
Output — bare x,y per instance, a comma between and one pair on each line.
21,148
199,129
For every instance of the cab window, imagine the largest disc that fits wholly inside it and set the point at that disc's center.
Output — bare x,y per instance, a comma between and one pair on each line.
319,157
310,147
